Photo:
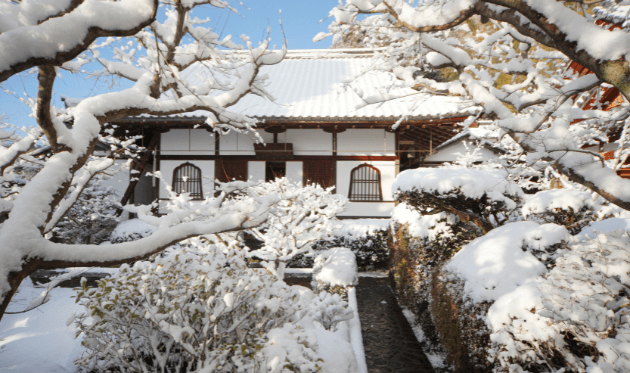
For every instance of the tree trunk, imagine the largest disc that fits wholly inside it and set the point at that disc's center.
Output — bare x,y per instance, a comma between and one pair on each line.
14,281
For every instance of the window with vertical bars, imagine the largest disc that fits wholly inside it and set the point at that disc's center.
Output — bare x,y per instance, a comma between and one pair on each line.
365,184
187,179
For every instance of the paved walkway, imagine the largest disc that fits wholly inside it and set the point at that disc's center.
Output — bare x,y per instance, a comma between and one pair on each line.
390,345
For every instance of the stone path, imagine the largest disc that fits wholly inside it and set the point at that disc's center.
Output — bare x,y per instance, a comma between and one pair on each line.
390,344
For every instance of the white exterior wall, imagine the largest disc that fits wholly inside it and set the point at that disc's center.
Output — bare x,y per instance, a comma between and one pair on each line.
364,141
308,141
236,144
188,142
207,174
256,170
451,152
295,172
118,177
371,209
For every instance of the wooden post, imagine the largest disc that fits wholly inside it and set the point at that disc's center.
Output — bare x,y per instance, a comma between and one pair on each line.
143,162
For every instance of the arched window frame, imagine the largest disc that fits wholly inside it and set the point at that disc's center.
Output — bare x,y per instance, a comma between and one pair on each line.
367,180
191,185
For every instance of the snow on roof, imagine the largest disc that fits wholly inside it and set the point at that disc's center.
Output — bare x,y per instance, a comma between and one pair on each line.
481,134
323,84
613,12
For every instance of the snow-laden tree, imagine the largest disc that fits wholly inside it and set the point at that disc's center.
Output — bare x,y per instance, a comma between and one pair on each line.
147,43
305,216
515,68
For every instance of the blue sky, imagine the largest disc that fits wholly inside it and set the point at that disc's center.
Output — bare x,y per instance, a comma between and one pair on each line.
300,20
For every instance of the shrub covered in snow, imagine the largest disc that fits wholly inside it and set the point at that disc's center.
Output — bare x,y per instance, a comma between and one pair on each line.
131,230
93,216
196,310
367,238
306,215
329,310
335,270
571,208
574,317
482,197
420,246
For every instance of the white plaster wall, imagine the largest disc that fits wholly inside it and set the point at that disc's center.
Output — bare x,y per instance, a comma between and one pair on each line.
451,152
308,141
117,177
267,137
365,141
236,144
295,172
256,170
388,175
207,175
188,142
202,141
369,209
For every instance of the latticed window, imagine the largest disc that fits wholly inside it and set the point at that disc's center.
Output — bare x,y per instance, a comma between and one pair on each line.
365,184
187,179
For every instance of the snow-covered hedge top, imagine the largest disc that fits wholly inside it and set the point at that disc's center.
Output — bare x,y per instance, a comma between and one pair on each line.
548,200
427,226
495,264
471,183
353,229
132,229
604,226
336,266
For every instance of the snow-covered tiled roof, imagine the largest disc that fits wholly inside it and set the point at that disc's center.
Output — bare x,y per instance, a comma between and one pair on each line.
325,85
614,11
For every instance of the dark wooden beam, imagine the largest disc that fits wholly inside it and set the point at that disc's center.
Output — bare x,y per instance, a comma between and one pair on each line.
140,166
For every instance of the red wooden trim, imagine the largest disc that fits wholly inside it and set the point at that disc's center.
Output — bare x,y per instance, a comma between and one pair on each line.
177,157
327,124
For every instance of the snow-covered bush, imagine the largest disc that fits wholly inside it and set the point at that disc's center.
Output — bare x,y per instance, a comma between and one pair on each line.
574,317
482,197
93,216
367,238
198,309
420,245
131,230
571,208
334,271
304,216
329,310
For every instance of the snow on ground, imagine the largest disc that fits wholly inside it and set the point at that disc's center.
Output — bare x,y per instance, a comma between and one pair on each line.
356,338
354,229
437,360
40,340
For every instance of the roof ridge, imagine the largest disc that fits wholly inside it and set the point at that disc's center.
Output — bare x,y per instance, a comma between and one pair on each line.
331,53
